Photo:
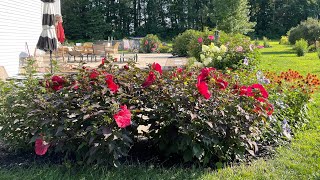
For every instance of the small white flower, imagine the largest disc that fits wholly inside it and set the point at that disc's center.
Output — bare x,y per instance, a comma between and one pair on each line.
219,58
246,61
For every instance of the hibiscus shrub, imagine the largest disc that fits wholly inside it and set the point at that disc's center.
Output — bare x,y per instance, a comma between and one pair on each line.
82,116
204,116
198,115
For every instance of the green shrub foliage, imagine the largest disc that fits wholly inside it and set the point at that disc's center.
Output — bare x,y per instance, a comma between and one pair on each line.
284,40
266,43
182,41
301,47
308,30
150,43
238,48
199,115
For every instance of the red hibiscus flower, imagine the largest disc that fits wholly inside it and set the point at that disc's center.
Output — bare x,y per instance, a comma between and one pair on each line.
150,79
179,70
41,147
94,74
222,84
200,40
111,84
246,91
262,90
103,60
123,117
204,74
203,90
211,37
269,109
157,67
57,82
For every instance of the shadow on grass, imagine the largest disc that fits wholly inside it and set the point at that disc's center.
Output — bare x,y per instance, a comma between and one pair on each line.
278,52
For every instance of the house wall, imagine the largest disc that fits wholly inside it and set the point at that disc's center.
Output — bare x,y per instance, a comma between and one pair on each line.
20,23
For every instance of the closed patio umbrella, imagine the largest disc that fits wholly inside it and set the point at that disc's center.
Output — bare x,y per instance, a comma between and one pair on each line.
48,38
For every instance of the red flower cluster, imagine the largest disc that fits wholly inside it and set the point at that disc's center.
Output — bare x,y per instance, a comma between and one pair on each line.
179,71
57,83
152,77
260,94
103,61
256,90
202,84
123,117
41,147
157,67
221,84
94,74
111,84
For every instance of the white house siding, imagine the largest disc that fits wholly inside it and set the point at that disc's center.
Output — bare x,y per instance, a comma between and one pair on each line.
20,23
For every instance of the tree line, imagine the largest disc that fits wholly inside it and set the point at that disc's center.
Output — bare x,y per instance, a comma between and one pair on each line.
99,19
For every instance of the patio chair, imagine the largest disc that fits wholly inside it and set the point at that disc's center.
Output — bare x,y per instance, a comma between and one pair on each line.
74,53
113,49
61,52
88,50
99,50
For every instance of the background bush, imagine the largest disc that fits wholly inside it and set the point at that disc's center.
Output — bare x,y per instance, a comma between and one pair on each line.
284,40
182,41
165,48
308,30
301,47
266,43
150,43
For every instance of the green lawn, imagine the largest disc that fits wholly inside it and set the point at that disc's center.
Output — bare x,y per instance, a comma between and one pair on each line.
300,160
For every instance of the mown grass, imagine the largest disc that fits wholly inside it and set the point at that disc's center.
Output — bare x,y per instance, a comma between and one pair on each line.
300,160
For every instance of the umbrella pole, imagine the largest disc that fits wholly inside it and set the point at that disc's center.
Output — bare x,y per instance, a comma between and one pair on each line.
51,68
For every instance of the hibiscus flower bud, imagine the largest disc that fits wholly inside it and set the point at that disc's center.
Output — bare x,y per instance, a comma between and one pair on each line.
126,67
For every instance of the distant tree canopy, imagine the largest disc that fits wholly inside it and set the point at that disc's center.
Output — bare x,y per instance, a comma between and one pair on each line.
98,19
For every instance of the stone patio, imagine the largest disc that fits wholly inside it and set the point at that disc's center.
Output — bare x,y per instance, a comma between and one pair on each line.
167,61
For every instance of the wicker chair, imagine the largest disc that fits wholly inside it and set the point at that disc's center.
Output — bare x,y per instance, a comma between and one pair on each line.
113,49
88,50
99,50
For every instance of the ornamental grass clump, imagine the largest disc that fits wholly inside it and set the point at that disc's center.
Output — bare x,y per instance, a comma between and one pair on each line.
301,47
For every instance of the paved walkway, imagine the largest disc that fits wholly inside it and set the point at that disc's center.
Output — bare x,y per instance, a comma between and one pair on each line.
165,60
